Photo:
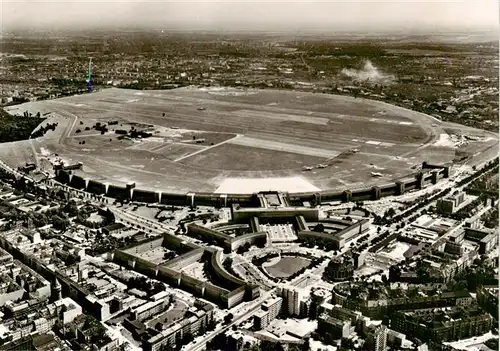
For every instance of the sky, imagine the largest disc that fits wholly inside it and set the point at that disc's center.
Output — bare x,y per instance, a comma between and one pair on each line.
346,15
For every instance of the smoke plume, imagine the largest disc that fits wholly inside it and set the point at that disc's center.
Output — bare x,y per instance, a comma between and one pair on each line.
369,73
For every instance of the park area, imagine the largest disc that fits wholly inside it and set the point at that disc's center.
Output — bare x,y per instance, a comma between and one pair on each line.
287,266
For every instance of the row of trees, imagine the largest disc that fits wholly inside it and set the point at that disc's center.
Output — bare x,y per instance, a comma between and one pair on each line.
224,342
489,166
315,262
468,210
490,218
14,128
43,129
323,244
480,273
389,217
378,220
151,287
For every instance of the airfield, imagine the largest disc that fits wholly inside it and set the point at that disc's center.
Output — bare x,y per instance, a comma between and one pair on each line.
227,140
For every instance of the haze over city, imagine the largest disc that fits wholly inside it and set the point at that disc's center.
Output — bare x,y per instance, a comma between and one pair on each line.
254,15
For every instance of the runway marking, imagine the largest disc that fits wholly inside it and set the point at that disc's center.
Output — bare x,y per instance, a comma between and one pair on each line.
288,117
284,147
205,149
86,135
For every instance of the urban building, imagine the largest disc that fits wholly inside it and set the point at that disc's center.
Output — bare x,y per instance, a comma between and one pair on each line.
359,258
396,339
66,309
486,238
273,307
337,328
341,268
376,337
450,204
148,309
270,310
375,301
10,291
442,324
487,297
6,258
196,318
344,314
56,290
291,301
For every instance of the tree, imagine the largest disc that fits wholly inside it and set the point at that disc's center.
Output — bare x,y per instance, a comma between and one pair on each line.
188,337
267,345
313,311
60,223
306,346
169,255
347,343
319,228
329,338
211,325
202,330
228,318
71,209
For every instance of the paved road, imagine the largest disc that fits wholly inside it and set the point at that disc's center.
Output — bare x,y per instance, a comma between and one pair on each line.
201,345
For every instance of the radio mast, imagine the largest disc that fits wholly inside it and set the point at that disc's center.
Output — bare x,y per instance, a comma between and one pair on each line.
89,80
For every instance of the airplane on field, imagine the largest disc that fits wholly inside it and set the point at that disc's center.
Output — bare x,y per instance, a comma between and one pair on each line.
376,174
307,168
321,166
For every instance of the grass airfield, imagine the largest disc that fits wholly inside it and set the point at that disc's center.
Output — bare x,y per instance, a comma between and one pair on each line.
239,141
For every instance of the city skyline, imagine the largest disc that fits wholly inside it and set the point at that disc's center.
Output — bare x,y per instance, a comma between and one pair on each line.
433,16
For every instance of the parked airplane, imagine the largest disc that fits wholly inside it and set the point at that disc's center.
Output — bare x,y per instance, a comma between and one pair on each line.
307,168
376,174
321,166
